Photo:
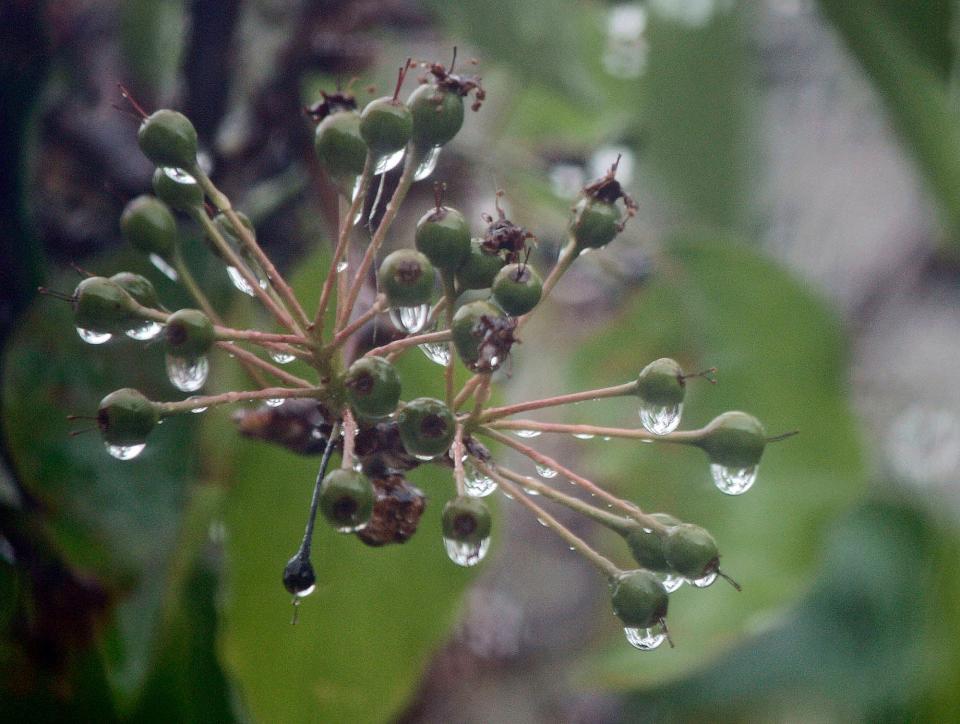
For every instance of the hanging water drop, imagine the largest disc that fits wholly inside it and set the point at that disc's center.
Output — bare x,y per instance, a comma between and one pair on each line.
196,410
238,281
466,554
145,331
427,165
584,436
437,352
163,267
125,452
282,358
671,582
733,481
91,337
546,472
645,639
388,162
705,581
527,433
425,458
475,483
274,402
410,319
531,491
659,419
342,266
187,374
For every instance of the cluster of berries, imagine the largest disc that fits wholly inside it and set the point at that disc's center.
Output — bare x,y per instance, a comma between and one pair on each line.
473,295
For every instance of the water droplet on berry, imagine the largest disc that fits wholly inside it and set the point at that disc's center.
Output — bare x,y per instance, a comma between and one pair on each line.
274,402
437,352
388,162
187,375
660,419
671,582
145,331
466,554
475,483
584,436
282,358
125,452
427,164
645,639
161,266
705,581
733,481
410,319
527,433
91,337
545,472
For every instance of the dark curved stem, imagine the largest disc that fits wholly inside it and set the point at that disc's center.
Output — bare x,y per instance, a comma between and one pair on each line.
304,552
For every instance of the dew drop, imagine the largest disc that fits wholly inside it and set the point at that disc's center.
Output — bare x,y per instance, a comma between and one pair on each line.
388,162
238,281
375,206
733,481
466,554
282,358
707,580
583,436
475,483
163,267
542,522
125,452
546,472
304,593
645,639
659,419
671,582
197,410
342,266
437,352
145,331
91,337
425,458
427,165
410,319
187,375
531,491
527,433
351,528
274,402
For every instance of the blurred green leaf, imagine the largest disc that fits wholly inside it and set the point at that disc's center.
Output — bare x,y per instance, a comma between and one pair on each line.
713,302
151,39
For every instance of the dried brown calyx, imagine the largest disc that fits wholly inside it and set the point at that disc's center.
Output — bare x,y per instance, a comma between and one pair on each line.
396,512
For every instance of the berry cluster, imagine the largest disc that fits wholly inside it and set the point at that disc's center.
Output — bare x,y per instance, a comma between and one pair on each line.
452,296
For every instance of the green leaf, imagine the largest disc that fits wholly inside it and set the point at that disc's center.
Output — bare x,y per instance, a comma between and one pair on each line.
780,357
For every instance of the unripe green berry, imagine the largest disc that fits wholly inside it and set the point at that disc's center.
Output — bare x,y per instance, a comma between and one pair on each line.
168,138
469,328
437,115
661,383
346,499
146,222
691,551
339,145
594,223
734,440
426,427
517,289
479,268
177,189
189,333
138,287
406,277
373,386
101,305
125,417
386,125
444,236
466,520
639,599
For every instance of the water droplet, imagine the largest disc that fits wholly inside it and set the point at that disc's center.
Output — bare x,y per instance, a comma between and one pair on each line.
583,436
475,483
388,162
238,281
274,402
545,472
659,419
187,375
542,522
281,358
733,481
427,165
91,337
670,581
410,319
196,410
645,639
626,53
606,438
425,458
466,554
356,190
125,452
707,580
375,206
527,433
342,266
145,331
531,491
163,267
304,593
438,352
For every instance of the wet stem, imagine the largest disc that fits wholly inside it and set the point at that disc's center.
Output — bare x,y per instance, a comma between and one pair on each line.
226,398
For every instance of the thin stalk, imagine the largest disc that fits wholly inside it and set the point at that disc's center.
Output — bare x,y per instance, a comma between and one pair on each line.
349,439
684,437
251,359
400,345
304,552
468,387
459,476
494,413
449,294
344,334
480,398
257,337
226,398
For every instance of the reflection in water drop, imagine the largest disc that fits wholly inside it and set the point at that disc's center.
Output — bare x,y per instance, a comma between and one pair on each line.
466,554
187,374
427,165
659,419
704,582
410,319
161,265
733,481
125,452
545,472
671,582
91,337
438,352
527,433
476,484
584,435
645,639
196,410
145,331
281,358
388,162
342,266
274,402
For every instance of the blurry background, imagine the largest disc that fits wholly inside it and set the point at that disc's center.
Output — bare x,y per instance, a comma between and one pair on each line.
797,165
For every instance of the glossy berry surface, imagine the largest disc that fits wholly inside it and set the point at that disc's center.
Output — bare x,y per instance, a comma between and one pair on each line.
661,383
466,520
189,333
735,440
386,125
639,599
101,305
646,544
339,146
178,189
437,115
373,386
444,236
346,499
125,417
479,268
470,326
517,288
426,427
148,225
168,138
406,276
691,551
594,223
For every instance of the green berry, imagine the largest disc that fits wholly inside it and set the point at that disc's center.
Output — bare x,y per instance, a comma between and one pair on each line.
661,383
691,551
406,277
479,268
639,599
177,189
466,520
101,305
373,386
437,115
346,500
339,146
517,289
594,223
386,125
149,226
444,236
734,440
426,427
189,333
138,287
168,138
470,328
125,417
646,544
